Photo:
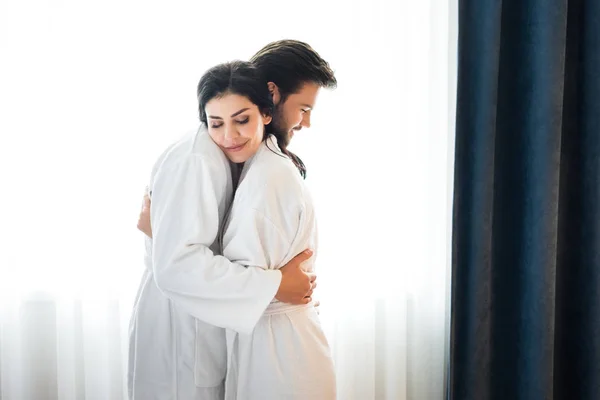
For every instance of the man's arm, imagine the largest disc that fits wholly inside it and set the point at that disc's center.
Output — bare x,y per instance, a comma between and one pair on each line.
289,290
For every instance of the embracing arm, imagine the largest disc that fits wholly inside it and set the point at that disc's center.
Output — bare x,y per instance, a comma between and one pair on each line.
185,223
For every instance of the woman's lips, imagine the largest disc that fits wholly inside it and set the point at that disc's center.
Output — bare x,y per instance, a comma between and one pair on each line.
237,148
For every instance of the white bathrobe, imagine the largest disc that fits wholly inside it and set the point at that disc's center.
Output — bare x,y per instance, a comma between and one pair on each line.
172,355
272,219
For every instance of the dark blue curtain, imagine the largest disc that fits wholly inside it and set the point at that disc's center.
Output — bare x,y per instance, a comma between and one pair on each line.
526,240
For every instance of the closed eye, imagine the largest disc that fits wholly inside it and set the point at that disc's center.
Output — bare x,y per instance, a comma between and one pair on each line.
244,121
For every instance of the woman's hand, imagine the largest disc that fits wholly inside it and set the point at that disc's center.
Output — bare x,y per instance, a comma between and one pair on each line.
144,218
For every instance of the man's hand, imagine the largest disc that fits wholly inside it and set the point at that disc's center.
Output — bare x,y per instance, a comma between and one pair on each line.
144,218
296,285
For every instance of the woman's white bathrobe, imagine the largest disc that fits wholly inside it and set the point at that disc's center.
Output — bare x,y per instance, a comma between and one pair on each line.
172,355
272,219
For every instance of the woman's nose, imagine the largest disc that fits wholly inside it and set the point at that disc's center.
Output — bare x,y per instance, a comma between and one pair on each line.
230,132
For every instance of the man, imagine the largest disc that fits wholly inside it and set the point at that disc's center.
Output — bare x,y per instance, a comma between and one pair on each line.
196,292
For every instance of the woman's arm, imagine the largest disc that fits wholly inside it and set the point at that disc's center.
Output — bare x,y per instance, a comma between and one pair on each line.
185,223
296,286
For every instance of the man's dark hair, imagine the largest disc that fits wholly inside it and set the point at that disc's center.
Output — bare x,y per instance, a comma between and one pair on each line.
290,64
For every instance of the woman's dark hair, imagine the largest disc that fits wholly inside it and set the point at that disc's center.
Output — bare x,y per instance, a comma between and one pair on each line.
242,78
236,77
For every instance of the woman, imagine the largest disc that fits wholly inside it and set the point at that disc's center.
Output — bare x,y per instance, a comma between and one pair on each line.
272,218
188,292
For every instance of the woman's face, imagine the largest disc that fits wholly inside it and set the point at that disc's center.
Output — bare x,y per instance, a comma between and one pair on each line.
236,125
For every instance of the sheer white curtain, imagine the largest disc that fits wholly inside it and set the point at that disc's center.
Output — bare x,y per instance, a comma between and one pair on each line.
91,93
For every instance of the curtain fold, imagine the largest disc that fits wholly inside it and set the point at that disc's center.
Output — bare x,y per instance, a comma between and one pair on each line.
526,242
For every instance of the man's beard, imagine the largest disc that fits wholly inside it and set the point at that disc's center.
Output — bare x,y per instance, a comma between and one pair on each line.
280,126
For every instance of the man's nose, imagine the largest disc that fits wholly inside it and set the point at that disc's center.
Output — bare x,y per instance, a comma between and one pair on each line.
305,121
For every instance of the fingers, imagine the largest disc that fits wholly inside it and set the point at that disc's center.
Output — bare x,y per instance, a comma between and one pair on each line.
312,285
144,217
146,202
305,255
146,205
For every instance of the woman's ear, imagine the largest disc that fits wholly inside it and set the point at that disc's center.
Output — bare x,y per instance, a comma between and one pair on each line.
274,90
267,119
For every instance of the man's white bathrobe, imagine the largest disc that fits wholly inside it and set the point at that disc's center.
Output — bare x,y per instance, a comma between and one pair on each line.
172,355
272,219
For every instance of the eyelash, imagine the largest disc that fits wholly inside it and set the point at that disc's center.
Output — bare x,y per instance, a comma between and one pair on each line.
243,122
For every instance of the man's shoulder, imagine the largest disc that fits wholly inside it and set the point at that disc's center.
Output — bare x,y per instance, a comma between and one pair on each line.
276,168
203,145
274,176
193,147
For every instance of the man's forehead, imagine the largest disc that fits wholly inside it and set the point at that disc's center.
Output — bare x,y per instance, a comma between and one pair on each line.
309,87
307,94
